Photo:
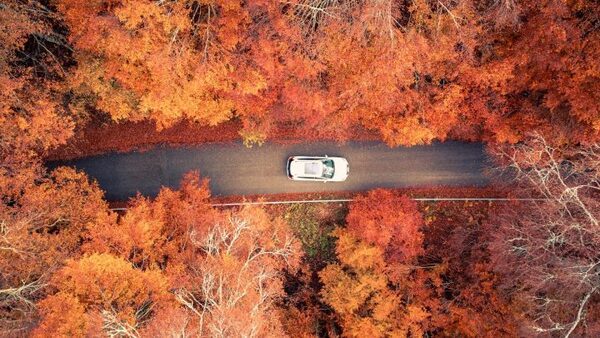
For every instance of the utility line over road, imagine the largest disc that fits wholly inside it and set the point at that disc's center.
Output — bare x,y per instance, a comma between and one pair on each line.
236,170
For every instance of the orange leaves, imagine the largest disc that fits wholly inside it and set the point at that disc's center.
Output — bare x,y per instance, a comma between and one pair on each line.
43,218
105,286
139,235
106,281
63,316
151,234
31,119
381,285
253,84
393,83
207,61
160,75
393,287
553,58
352,251
232,22
413,72
481,308
78,13
405,131
359,291
142,15
45,224
367,287
15,26
346,291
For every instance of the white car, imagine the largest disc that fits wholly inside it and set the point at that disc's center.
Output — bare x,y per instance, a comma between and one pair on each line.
316,168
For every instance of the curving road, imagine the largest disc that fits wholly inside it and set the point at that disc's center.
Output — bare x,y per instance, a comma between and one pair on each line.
236,170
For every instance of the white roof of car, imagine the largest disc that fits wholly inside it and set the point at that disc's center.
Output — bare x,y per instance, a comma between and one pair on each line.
307,168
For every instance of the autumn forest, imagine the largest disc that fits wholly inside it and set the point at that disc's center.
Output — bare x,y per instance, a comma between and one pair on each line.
80,78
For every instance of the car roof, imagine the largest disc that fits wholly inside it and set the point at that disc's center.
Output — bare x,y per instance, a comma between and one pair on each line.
307,168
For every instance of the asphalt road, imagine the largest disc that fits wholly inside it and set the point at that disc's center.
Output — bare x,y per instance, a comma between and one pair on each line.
236,170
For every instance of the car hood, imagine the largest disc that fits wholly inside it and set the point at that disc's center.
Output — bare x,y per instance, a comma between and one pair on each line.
341,169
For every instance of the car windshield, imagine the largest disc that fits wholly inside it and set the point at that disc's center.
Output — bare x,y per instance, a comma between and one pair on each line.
328,168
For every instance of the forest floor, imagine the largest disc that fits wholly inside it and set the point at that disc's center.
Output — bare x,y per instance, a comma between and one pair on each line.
103,136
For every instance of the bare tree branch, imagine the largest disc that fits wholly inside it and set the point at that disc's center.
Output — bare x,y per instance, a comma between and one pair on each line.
550,248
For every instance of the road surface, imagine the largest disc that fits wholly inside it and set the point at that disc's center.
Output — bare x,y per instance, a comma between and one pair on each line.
236,170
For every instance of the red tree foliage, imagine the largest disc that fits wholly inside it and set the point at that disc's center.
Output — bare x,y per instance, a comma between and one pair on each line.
413,72
388,221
